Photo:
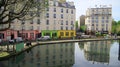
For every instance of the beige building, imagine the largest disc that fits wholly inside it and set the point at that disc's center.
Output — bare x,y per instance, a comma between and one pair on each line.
99,19
82,20
60,15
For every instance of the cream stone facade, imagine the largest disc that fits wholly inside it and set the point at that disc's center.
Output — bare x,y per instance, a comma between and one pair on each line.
60,15
99,19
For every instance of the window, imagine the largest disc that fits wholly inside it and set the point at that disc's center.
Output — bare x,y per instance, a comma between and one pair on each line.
47,15
71,11
31,22
54,9
61,22
96,17
92,21
61,34
66,22
23,22
107,17
71,28
106,26
96,21
31,35
47,22
54,15
54,4
31,28
71,22
96,24
67,33
102,17
61,27
47,34
72,34
47,9
102,21
96,28
31,14
38,21
61,16
106,21
62,10
92,17
54,34
102,29
38,14
67,11
66,28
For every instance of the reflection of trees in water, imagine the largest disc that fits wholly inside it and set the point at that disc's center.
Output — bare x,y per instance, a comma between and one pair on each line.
97,51
81,45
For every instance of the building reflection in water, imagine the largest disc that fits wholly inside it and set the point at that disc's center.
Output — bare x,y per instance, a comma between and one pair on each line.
97,51
51,55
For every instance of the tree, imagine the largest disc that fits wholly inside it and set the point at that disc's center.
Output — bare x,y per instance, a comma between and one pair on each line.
76,25
114,24
82,28
18,9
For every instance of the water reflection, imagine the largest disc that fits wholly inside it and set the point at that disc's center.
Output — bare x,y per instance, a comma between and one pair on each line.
90,54
55,55
97,51
119,51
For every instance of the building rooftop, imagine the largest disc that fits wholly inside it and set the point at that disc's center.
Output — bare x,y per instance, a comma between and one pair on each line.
67,5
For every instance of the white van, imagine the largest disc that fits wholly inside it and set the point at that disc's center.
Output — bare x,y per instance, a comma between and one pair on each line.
19,39
44,38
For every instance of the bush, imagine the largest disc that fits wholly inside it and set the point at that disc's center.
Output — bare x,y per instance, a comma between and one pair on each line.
118,33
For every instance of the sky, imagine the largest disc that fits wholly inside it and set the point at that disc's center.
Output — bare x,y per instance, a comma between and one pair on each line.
82,5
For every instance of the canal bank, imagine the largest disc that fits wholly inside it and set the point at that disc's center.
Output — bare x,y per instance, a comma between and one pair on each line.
26,48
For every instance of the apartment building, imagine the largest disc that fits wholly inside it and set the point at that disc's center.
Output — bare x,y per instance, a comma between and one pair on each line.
60,15
99,19
82,20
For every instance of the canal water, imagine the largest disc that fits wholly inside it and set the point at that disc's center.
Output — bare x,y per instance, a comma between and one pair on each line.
77,54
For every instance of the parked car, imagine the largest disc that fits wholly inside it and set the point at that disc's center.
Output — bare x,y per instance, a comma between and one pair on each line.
19,39
44,38
11,41
85,36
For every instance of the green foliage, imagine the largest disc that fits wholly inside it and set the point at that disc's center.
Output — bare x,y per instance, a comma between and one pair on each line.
118,33
76,24
115,27
83,28
98,34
